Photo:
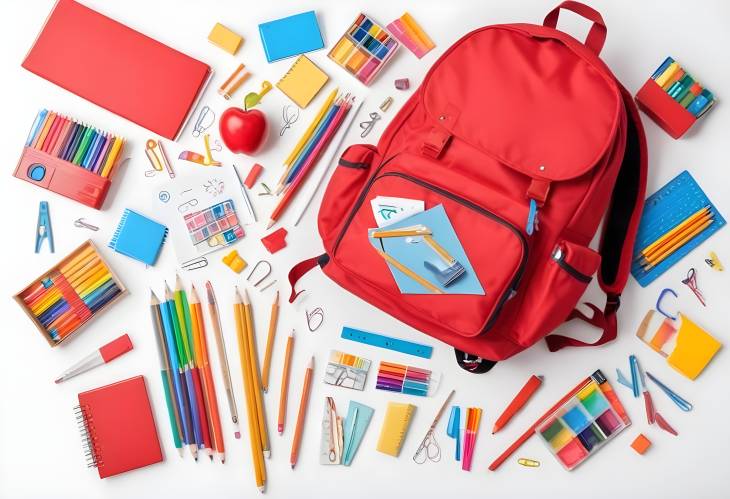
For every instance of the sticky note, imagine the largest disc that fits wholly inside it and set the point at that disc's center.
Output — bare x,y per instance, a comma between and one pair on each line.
641,444
225,39
694,350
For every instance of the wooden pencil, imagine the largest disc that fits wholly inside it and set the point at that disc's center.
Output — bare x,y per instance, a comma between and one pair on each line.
270,343
665,237
676,245
255,377
678,236
420,280
284,393
303,403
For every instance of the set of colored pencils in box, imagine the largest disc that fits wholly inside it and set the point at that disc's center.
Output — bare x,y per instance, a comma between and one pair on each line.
70,294
186,373
303,158
69,158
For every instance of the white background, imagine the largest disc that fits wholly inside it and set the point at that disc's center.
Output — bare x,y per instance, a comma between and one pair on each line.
40,453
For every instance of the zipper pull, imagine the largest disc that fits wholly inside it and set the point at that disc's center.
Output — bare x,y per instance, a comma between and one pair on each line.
532,221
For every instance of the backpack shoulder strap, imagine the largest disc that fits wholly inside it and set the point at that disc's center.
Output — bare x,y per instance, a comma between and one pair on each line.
619,233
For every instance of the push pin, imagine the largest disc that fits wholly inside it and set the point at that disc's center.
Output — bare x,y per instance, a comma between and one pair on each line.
402,84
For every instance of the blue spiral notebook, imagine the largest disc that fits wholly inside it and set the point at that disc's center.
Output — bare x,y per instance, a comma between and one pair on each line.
291,36
138,237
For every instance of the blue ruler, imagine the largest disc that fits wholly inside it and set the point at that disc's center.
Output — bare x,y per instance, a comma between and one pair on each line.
664,210
378,340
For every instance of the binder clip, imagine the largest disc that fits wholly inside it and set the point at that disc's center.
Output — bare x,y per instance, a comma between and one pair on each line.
43,228
194,157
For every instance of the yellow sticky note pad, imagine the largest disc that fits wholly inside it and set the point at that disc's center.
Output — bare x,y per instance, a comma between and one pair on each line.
224,38
695,349
303,81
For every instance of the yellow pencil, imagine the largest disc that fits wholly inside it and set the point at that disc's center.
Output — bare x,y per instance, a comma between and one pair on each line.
680,235
270,343
253,427
113,153
668,252
684,223
255,376
308,132
420,280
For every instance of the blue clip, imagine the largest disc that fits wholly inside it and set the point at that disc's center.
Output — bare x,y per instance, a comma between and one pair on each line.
43,228
634,365
531,218
681,403
659,303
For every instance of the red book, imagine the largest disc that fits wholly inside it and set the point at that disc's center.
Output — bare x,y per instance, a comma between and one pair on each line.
118,68
118,428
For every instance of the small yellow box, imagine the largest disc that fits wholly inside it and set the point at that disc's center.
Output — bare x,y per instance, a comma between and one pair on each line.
224,38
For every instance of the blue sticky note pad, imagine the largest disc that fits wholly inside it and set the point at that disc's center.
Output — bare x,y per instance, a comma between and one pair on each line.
138,237
413,255
355,423
664,210
291,36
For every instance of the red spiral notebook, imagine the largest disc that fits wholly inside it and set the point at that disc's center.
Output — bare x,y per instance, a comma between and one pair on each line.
117,427
118,68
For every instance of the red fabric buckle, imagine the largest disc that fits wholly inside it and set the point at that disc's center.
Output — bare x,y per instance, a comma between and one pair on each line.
538,190
436,142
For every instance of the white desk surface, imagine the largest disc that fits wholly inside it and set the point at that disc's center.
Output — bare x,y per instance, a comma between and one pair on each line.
41,456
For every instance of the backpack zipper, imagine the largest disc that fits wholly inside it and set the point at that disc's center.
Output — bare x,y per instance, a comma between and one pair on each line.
559,258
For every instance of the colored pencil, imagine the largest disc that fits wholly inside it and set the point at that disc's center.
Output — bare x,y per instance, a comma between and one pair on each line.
531,430
256,378
284,392
308,132
270,343
37,125
675,245
303,403
473,419
114,151
211,401
38,142
222,356
529,388
167,384
257,456
671,233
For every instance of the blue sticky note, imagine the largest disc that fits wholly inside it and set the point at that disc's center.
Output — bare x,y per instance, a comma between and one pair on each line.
138,237
357,421
414,255
291,36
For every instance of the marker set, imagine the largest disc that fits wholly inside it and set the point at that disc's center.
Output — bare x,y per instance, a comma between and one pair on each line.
69,158
364,49
403,379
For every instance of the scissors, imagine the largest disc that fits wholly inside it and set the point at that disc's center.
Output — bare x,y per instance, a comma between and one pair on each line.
429,448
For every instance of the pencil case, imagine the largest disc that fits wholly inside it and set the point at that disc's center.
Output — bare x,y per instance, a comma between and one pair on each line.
663,110
84,285
62,177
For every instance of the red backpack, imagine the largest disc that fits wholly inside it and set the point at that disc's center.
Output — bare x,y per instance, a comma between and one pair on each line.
527,139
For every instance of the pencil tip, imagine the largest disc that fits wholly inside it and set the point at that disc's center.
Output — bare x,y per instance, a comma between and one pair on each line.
58,380
270,224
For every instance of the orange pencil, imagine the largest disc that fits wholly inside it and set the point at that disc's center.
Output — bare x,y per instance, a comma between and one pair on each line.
518,402
270,343
284,393
256,377
676,245
38,142
303,403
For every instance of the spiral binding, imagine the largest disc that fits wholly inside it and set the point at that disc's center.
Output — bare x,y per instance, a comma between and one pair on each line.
85,423
120,228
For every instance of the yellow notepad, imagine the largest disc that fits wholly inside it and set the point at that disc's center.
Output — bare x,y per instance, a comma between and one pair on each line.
395,427
695,349
302,82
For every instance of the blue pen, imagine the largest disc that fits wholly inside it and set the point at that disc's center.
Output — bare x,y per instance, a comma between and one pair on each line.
36,125
662,68
634,365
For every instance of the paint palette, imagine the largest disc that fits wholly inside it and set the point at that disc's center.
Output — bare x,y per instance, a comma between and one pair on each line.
215,226
364,49
581,426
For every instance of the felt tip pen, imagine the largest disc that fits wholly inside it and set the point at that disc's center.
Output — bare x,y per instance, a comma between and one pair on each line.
103,355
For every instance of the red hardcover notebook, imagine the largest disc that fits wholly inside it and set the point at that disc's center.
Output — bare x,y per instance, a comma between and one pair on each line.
118,68
118,428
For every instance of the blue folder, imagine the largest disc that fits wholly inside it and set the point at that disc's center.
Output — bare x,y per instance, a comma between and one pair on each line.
291,36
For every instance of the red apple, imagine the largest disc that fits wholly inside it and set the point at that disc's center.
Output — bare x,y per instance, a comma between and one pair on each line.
243,131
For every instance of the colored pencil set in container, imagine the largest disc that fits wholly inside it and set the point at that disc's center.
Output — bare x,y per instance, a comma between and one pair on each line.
69,158
364,49
70,294
673,98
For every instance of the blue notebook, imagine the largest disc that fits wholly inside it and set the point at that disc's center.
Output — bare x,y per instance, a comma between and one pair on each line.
138,237
290,36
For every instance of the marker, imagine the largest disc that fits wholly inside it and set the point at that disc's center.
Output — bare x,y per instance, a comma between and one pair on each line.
103,355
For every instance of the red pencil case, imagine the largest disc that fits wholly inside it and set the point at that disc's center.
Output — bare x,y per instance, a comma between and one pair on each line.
62,177
665,111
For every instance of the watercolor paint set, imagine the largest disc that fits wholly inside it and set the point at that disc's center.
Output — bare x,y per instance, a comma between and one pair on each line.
364,49
584,423
216,225
70,294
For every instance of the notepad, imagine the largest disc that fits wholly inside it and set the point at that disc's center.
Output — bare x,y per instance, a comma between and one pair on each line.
117,427
357,421
290,36
138,237
302,82
395,426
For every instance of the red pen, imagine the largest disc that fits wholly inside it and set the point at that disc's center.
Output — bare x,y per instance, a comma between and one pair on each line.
104,354
518,402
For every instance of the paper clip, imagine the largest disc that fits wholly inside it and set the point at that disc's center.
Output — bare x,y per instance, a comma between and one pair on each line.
691,282
43,227
317,312
79,222
156,154
529,463
195,263
385,105
194,157
659,303
248,278
367,126
288,117
206,118
674,396
714,262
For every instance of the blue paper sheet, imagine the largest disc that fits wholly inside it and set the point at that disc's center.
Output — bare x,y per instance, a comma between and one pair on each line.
357,421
